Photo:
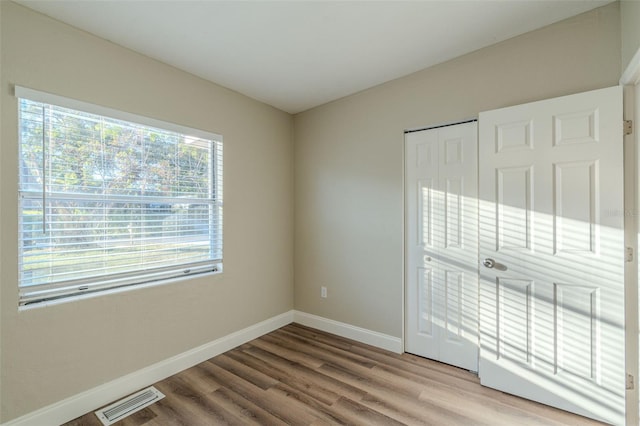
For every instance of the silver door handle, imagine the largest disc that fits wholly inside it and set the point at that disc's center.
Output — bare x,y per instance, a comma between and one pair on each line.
489,263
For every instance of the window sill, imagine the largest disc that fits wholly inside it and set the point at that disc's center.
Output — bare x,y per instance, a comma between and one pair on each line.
113,291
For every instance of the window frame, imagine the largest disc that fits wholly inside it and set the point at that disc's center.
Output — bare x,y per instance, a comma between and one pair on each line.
141,277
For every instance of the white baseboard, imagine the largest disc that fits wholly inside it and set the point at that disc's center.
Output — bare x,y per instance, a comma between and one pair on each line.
85,402
373,338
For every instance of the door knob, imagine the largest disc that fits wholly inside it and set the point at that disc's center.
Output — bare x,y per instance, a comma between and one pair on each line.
489,263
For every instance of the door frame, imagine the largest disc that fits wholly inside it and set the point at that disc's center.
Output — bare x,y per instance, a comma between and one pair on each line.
630,80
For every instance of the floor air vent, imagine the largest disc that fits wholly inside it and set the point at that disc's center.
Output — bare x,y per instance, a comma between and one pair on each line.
129,405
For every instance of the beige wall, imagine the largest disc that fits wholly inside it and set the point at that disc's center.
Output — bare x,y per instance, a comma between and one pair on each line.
349,157
630,28
54,352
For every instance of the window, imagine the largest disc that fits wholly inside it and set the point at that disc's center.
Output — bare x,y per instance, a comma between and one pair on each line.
108,199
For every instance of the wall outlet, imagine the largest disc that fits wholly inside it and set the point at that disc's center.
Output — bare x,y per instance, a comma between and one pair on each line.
323,292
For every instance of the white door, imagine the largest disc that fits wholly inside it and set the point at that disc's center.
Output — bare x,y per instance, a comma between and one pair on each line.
442,244
551,235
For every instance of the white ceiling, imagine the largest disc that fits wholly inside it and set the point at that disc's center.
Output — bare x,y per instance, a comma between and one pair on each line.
295,55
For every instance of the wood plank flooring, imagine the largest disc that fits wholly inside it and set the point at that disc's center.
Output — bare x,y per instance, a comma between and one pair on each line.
300,376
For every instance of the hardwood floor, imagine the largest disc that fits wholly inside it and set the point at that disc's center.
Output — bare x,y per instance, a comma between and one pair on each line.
300,376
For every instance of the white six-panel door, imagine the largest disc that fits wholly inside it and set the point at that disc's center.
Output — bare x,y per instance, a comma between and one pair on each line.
442,244
551,235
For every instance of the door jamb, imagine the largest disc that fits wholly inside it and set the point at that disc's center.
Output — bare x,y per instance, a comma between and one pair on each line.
630,81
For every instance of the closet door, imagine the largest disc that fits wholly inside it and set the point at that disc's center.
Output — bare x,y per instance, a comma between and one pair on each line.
551,237
442,244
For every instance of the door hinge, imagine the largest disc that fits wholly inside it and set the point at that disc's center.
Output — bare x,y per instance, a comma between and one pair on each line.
628,254
628,127
629,382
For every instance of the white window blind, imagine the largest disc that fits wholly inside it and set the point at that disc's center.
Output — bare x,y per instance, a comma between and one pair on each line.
109,199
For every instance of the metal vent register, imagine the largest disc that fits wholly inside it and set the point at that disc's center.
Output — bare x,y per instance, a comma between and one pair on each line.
129,405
